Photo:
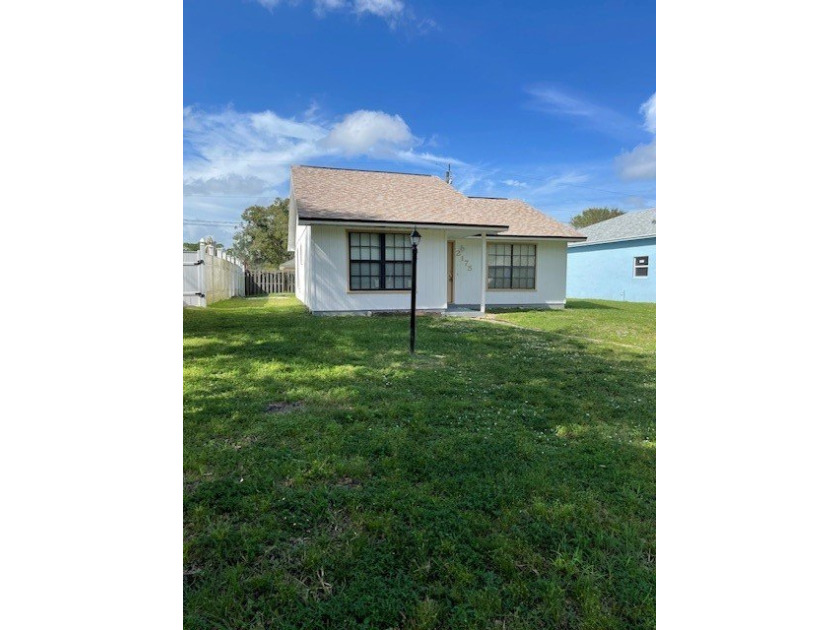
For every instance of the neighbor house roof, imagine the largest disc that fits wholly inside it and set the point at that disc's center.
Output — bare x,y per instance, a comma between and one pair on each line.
334,194
633,225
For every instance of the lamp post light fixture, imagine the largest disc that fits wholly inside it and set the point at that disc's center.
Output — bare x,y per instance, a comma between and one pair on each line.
415,241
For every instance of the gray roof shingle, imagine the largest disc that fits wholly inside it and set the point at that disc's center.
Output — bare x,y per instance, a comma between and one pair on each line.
628,226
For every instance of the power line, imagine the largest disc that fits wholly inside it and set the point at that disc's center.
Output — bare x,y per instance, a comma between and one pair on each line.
221,224
209,220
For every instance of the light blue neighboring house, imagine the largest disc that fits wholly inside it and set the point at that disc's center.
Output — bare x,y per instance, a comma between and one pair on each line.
617,261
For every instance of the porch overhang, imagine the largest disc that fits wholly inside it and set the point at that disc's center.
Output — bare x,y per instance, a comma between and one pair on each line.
453,230
525,237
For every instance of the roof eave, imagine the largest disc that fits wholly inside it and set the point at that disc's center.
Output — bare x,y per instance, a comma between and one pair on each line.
553,237
618,240
436,224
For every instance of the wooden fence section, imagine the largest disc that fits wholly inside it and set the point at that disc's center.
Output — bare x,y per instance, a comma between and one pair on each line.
262,282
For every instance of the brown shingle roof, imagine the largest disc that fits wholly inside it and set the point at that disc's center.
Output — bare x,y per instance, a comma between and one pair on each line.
322,193
523,219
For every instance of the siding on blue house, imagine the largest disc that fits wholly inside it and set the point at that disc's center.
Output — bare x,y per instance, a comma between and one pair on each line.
605,271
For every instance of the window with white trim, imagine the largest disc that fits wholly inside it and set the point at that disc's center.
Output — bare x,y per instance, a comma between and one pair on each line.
380,262
511,266
640,266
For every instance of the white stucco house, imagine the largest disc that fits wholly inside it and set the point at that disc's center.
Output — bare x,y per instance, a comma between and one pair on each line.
349,230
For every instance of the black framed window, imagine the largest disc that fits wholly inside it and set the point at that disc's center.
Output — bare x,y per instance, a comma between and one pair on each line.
380,262
511,266
640,266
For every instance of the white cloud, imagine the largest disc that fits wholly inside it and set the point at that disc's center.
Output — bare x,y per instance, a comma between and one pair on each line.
311,112
392,11
649,110
557,102
560,189
330,5
235,159
427,158
471,181
269,125
554,184
640,163
426,25
247,153
370,133
571,177
234,147
382,8
561,103
637,201
226,185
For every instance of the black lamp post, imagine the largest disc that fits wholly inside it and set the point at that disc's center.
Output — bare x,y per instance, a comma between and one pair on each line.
415,241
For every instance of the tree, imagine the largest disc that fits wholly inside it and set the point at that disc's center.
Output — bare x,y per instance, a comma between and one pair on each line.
261,239
193,247
595,215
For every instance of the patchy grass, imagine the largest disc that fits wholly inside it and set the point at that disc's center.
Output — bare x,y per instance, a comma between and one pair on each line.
501,478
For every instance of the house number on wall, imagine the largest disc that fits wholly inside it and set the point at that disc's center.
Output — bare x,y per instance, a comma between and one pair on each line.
459,254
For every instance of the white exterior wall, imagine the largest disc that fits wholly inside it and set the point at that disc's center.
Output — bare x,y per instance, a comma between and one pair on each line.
303,264
330,270
550,281
323,284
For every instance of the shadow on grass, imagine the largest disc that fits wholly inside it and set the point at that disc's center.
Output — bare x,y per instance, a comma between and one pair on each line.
586,304
501,476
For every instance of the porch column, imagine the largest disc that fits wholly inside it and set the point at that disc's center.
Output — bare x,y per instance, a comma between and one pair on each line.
483,271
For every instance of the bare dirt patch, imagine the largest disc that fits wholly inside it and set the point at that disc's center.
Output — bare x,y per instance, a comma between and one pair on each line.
284,407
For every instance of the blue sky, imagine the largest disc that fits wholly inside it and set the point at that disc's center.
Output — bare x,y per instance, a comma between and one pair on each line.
553,103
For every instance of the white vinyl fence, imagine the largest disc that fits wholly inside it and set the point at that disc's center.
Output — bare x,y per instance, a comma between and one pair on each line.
210,275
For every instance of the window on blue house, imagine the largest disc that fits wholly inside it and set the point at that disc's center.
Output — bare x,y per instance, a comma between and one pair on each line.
380,262
640,266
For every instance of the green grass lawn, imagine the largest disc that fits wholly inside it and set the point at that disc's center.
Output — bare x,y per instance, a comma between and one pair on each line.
504,477
599,321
